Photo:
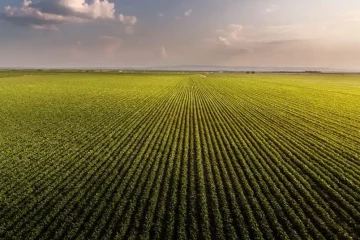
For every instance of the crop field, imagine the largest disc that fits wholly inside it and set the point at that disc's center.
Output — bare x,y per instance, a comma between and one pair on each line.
179,156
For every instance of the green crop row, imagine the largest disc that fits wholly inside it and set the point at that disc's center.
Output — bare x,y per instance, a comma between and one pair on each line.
179,156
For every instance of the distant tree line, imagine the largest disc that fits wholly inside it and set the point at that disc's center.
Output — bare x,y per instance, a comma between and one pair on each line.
312,71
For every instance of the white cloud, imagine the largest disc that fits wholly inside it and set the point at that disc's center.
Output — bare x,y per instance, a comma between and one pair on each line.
164,54
27,3
236,42
128,20
161,14
235,31
45,14
94,10
187,13
235,35
224,41
44,27
271,9
32,16
231,34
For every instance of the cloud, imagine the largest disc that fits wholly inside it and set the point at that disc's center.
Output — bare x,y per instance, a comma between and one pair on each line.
187,13
224,41
231,34
27,3
236,41
271,9
235,34
235,31
161,14
164,54
27,15
282,42
45,14
94,10
248,45
45,27
128,20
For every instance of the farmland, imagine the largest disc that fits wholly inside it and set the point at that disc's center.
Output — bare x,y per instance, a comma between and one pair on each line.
179,156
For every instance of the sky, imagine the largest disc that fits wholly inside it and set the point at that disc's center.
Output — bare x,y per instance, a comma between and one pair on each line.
138,33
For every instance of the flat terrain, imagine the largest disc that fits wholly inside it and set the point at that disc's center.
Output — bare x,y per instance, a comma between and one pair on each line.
179,156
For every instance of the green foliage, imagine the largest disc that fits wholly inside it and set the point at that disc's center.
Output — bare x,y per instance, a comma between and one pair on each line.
179,156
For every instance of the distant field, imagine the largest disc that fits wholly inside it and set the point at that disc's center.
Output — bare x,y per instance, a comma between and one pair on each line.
179,156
